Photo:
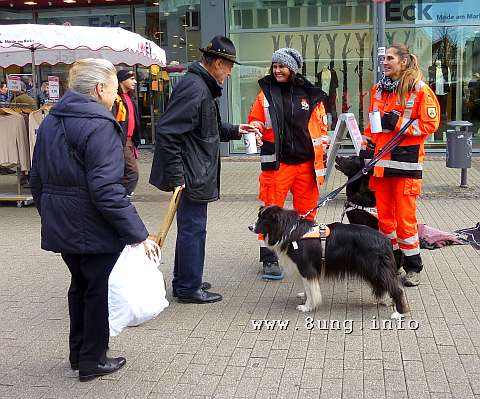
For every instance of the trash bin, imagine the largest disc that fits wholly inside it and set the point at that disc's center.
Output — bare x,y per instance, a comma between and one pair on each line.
459,148
459,145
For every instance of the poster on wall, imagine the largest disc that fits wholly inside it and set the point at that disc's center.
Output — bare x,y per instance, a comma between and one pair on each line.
14,83
53,87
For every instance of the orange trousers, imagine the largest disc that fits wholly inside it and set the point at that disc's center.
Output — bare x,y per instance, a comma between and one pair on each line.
396,204
276,184
298,179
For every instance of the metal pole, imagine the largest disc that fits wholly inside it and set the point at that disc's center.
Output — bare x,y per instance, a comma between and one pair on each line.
463,178
381,16
34,76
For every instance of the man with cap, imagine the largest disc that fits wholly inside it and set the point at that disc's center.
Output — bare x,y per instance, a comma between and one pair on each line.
290,114
187,155
126,113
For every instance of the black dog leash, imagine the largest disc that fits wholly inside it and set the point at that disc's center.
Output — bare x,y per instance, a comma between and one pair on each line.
389,147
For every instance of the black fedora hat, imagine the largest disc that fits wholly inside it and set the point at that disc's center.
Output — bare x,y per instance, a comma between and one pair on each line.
221,46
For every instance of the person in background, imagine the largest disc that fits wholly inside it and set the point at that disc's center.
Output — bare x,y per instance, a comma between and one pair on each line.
290,113
187,154
43,94
5,96
76,182
126,113
401,95
29,86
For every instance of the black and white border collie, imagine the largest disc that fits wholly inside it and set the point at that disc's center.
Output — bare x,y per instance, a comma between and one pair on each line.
351,251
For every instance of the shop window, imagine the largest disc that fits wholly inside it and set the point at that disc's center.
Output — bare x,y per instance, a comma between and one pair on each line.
247,19
262,18
346,15
312,16
294,17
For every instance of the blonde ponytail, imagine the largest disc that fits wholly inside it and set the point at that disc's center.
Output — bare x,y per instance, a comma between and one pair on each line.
410,76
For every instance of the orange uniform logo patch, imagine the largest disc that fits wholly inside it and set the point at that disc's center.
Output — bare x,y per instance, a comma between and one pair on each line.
432,112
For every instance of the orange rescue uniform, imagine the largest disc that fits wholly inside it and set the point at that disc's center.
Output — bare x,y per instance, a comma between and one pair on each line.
397,176
277,178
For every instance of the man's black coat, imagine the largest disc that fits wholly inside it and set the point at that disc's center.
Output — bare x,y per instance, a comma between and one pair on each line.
187,146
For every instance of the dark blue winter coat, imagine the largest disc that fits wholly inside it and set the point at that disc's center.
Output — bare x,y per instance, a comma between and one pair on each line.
76,180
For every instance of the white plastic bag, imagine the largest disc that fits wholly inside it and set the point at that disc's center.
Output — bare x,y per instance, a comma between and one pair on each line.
136,289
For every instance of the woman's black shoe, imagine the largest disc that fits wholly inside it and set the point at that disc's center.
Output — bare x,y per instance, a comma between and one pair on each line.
110,366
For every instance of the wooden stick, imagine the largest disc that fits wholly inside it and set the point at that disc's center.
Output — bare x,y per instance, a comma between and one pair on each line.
167,220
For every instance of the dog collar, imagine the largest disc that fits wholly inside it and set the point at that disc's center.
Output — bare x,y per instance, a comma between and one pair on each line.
350,206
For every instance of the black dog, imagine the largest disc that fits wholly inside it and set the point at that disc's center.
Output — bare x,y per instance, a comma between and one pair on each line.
351,251
360,205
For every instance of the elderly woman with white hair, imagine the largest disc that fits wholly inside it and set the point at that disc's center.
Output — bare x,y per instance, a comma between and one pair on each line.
76,181
290,114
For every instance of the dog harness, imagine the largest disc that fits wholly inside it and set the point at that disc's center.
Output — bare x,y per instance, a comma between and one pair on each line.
318,231
350,206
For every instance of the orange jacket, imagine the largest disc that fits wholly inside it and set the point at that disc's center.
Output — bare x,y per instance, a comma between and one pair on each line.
261,116
407,159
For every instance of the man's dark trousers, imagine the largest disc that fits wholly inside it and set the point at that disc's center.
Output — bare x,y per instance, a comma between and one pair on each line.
190,248
88,307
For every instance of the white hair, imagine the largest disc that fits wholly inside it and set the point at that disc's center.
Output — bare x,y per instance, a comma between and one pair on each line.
85,74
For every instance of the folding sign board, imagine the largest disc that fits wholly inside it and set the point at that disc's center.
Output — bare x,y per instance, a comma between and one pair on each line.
346,122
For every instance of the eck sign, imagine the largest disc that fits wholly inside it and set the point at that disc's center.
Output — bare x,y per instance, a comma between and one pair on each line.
424,11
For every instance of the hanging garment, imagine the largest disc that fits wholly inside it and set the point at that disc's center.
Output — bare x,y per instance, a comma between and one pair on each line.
34,120
14,142
326,77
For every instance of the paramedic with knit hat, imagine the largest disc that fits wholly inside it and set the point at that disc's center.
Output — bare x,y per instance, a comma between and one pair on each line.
290,113
126,113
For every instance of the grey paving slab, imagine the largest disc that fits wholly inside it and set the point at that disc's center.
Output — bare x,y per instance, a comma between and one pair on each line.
214,351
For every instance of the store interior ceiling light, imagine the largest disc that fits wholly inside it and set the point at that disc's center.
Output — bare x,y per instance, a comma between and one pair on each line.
69,1
30,3
155,4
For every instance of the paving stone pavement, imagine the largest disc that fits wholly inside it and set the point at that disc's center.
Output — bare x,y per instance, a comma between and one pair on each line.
342,350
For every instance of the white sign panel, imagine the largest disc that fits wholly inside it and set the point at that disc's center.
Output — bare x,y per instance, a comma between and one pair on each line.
53,87
14,83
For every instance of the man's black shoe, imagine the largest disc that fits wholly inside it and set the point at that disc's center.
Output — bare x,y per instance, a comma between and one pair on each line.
204,286
200,296
110,366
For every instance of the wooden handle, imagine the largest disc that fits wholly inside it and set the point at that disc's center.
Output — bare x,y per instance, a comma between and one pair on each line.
167,220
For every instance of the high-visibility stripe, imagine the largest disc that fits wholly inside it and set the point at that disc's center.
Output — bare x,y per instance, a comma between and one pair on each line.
317,141
268,120
410,252
392,235
320,172
395,247
385,163
416,128
409,240
262,243
268,158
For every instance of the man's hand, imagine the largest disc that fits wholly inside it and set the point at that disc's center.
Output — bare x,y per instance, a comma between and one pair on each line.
245,128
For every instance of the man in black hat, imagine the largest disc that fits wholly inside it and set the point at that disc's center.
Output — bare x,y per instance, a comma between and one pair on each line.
187,154
126,113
